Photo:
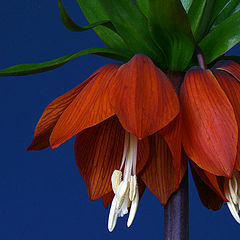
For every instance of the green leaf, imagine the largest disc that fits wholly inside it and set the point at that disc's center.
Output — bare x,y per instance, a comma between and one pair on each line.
143,6
94,12
187,4
218,6
199,15
71,25
170,28
31,68
222,38
232,7
132,26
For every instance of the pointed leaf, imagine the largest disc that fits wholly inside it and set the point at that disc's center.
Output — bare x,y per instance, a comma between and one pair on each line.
187,4
94,12
172,34
228,35
199,15
132,27
231,88
143,6
159,173
89,108
231,7
31,68
142,97
210,128
71,25
207,196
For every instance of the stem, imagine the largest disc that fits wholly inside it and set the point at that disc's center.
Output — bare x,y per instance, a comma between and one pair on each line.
176,225
200,57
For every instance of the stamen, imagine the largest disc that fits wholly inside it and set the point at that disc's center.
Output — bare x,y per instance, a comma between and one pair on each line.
133,209
231,191
116,180
125,187
133,187
121,194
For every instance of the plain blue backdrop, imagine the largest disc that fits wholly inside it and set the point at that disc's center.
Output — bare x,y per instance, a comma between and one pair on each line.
42,195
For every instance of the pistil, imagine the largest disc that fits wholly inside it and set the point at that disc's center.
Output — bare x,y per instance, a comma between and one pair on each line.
124,184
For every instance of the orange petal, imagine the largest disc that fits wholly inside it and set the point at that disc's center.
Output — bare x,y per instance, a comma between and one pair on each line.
107,199
143,98
208,197
214,182
98,152
172,134
89,108
232,89
230,67
159,173
210,131
51,115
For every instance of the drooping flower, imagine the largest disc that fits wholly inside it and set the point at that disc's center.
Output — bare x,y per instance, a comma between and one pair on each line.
128,128
210,101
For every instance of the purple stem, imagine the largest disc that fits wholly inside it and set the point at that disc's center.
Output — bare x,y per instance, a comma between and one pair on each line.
200,57
176,225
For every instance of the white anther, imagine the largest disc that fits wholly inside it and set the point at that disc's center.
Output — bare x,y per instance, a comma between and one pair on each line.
133,209
121,194
113,216
116,180
133,187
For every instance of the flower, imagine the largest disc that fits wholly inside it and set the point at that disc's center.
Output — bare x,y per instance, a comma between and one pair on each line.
210,101
128,128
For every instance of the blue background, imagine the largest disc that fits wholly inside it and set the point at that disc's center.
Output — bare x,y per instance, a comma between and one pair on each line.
42,195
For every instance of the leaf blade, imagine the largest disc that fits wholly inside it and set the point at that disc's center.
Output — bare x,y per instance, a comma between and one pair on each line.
32,68
228,35
71,25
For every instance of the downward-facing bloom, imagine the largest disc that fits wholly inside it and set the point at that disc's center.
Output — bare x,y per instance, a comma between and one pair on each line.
128,128
210,101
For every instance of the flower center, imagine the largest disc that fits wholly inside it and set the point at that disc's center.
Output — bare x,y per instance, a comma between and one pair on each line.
125,187
232,193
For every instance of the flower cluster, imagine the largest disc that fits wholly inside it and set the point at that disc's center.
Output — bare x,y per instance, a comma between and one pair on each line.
131,126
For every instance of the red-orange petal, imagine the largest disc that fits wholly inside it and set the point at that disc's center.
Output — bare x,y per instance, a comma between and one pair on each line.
143,98
230,67
89,108
98,152
232,89
107,199
172,134
210,131
159,173
51,115
208,197
214,182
